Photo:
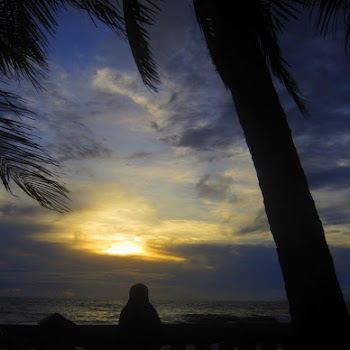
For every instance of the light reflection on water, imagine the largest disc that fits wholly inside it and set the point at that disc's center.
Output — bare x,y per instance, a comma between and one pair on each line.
106,311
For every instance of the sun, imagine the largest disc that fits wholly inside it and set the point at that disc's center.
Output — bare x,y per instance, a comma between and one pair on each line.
124,248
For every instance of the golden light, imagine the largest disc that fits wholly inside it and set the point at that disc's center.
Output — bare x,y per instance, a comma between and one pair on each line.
124,248
137,248
122,225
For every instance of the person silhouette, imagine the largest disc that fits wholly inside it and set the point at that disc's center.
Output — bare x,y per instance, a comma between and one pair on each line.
139,324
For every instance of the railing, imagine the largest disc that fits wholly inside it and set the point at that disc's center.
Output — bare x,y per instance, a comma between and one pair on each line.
56,332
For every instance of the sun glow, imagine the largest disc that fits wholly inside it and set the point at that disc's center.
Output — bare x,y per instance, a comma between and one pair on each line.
137,249
127,226
124,248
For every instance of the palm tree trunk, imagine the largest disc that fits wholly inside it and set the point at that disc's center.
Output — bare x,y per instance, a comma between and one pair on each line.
314,295
316,302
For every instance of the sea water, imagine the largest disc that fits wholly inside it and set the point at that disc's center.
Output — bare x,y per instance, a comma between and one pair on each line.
106,311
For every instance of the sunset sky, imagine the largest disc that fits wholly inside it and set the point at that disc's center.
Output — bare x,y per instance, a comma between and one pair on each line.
163,188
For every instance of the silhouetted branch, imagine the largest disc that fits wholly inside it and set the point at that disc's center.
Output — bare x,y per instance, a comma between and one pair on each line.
137,17
24,161
23,41
273,15
327,15
107,11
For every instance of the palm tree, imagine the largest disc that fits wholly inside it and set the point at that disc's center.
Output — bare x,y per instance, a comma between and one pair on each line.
242,38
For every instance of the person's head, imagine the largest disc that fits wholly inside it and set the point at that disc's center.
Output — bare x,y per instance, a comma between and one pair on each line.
138,293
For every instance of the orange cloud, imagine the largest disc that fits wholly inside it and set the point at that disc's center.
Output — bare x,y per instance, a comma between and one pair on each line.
67,292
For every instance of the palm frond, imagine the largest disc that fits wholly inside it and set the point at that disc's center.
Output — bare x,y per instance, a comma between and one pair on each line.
48,192
266,19
24,25
25,162
106,11
327,15
282,11
137,17
271,20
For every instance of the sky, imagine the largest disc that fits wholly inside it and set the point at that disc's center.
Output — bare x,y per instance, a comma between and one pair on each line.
163,189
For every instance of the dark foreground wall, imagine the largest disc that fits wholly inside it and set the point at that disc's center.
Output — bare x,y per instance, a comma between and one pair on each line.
59,333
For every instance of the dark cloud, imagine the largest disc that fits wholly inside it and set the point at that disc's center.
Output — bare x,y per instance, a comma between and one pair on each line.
201,111
64,122
219,134
336,214
215,189
33,268
38,268
23,261
154,126
259,225
16,235
45,269
200,127
321,67
12,210
336,178
230,272
74,140
70,151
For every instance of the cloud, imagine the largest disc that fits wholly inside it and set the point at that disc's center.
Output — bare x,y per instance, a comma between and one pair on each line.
83,149
260,224
219,190
68,293
74,138
199,117
198,112
334,208
8,209
154,126
129,85
324,138
337,178
64,123
229,272
209,270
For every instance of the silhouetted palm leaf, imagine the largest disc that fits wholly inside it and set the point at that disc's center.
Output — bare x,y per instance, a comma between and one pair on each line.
24,27
267,19
24,161
23,46
23,41
328,12
137,17
107,11
273,15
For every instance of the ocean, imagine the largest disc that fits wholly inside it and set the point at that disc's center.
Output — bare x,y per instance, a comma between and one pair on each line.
106,311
